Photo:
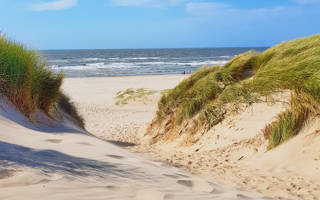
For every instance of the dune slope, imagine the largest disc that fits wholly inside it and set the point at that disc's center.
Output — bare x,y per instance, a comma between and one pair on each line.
256,117
57,160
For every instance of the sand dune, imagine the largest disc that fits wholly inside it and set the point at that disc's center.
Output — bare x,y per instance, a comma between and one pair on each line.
234,152
49,159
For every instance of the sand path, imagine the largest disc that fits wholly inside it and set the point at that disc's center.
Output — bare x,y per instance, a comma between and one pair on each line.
54,160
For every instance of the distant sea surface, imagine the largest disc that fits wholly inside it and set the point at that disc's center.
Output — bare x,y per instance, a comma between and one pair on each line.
130,62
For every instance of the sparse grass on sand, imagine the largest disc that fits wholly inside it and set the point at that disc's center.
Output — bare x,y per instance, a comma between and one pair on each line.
140,94
28,84
211,91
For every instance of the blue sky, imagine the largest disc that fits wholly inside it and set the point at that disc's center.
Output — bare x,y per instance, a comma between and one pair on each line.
108,24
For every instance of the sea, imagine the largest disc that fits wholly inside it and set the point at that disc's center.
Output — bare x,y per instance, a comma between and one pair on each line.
133,62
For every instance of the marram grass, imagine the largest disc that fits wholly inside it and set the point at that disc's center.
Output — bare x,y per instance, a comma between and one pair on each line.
26,81
211,91
130,94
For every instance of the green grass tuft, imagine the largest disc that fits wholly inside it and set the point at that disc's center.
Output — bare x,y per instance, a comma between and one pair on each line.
293,65
140,94
290,122
26,81
68,107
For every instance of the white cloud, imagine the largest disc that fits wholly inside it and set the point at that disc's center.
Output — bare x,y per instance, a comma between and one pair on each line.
54,5
147,3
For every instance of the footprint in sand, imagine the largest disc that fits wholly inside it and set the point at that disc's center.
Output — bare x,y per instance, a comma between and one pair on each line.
182,175
57,141
186,183
244,197
111,187
171,176
198,185
85,143
115,156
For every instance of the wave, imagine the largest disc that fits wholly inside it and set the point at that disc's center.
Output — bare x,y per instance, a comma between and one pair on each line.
59,61
94,66
93,59
142,58
101,65
201,63
75,67
134,58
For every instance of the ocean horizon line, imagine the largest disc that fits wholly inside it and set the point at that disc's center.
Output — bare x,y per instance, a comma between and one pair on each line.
242,47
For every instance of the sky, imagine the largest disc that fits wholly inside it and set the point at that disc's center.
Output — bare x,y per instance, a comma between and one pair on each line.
122,24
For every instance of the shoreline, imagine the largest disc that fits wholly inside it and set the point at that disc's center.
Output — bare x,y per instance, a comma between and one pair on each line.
129,76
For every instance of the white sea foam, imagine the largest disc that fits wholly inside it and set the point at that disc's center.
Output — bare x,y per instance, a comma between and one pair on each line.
75,67
101,65
93,59
209,62
217,62
142,58
94,66
59,61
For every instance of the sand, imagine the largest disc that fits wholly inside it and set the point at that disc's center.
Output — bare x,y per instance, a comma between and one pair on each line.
233,153
95,98
54,159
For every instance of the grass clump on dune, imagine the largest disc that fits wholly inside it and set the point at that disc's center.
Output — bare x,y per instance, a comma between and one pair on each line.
207,90
211,91
124,97
26,81
290,122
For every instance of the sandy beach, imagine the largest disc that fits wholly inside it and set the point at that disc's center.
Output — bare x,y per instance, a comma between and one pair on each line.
96,101
159,100
117,159
55,159
234,153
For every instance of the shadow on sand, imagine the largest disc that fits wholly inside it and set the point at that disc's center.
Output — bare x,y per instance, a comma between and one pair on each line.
42,122
121,144
56,162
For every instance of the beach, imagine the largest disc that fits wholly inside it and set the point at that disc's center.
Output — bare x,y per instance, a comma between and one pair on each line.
96,101
56,159
159,100
238,158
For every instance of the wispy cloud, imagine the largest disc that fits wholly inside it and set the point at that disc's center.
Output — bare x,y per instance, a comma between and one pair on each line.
214,11
147,3
54,5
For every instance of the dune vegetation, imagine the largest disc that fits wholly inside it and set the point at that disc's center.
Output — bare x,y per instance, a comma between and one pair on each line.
130,94
211,92
28,84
